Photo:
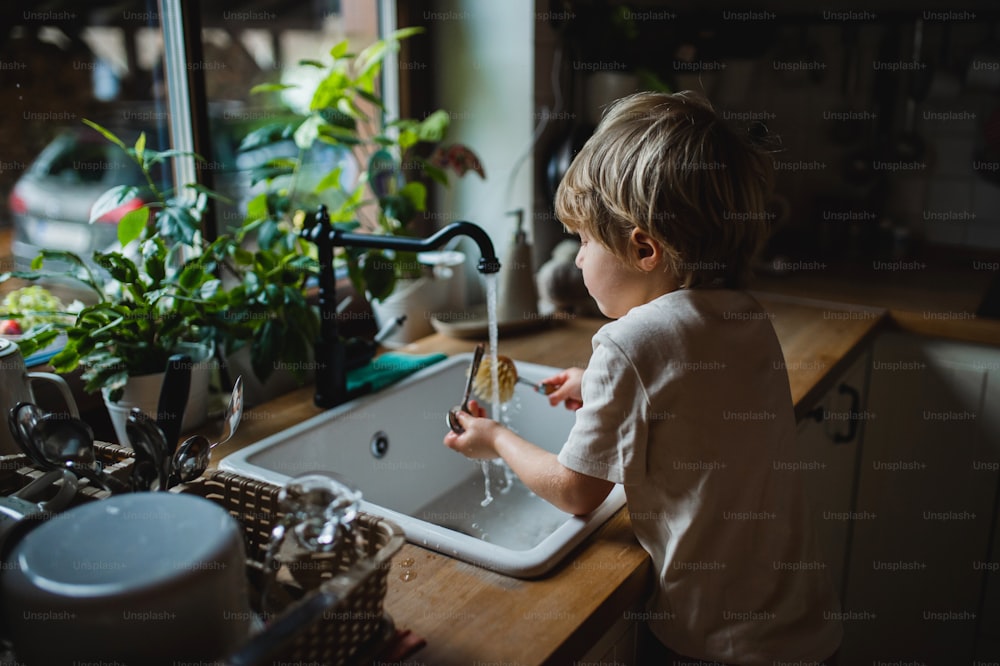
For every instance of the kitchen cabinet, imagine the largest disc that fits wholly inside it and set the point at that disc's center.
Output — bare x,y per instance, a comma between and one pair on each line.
829,443
927,488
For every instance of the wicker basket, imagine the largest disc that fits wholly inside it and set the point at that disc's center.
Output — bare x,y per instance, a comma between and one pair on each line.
17,471
355,586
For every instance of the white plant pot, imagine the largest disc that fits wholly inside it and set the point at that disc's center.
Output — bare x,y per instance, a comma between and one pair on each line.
420,298
256,392
143,391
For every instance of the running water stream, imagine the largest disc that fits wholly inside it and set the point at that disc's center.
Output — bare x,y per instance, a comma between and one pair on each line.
494,332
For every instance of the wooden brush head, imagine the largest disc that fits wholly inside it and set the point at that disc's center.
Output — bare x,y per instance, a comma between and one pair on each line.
506,376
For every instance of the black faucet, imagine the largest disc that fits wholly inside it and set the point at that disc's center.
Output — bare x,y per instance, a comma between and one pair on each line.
331,349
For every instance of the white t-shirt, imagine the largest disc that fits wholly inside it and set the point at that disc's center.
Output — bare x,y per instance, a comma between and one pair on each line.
686,402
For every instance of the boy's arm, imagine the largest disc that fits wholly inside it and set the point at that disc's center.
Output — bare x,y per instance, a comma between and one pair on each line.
548,478
538,469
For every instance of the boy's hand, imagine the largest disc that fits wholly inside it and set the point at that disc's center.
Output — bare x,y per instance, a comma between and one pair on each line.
569,392
480,434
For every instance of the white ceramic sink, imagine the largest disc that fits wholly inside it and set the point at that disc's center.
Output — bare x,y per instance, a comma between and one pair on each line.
390,446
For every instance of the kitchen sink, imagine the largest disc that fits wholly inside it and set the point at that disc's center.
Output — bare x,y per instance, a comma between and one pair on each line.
389,446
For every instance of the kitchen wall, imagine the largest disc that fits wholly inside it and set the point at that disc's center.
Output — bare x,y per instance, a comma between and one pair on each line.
889,122
483,63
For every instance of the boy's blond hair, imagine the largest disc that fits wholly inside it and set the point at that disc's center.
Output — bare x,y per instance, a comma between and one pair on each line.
666,164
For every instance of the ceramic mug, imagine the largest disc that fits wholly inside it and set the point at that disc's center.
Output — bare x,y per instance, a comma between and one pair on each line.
15,387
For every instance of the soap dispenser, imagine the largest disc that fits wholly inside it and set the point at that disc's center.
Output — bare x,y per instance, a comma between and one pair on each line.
518,297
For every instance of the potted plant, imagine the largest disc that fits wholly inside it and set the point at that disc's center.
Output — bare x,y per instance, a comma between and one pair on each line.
381,182
160,292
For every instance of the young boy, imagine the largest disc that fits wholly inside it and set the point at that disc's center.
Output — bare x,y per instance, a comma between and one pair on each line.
685,399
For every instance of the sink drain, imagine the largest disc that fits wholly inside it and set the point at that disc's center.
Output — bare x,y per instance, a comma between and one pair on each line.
380,444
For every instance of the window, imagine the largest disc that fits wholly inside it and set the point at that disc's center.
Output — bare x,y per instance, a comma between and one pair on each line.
108,61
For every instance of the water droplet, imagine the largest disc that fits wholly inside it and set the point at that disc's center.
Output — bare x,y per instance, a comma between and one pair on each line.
407,575
408,562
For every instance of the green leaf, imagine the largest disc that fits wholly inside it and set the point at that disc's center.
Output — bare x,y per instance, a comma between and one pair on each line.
346,105
330,180
372,56
416,194
436,174
267,135
274,295
106,133
379,273
371,97
338,119
329,90
268,234
118,265
270,87
132,224
157,156
339,136
191,277
155,268
434,126
340,49
257,207
140,148
111,199
398,207
407,138
210,288
265,347
307,132
209,193
405,33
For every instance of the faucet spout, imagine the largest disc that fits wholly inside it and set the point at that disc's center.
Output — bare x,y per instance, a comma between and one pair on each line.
330,349
488,262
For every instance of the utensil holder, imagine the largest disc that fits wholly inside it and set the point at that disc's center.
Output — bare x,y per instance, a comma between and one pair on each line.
17,471
352,583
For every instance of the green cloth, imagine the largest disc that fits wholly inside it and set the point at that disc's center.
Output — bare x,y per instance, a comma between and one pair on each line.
389,368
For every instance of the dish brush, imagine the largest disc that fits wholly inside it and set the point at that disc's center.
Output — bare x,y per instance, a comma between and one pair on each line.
507,378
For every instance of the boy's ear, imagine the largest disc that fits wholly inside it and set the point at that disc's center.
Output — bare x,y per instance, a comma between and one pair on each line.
646,252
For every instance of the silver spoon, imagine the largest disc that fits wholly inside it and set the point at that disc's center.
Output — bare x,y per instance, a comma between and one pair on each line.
194,454
68,442
22,419
234,413
477,358
190,461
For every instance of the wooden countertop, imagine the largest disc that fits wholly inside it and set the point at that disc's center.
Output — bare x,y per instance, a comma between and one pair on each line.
470,615
939,293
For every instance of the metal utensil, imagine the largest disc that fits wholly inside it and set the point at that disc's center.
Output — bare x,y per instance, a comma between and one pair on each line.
234,413
190,460
38,487
193,455
22,511
22,419
148,444
173,398
67,442
477,358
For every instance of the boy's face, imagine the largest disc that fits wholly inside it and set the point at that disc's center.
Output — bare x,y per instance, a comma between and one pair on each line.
609,280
